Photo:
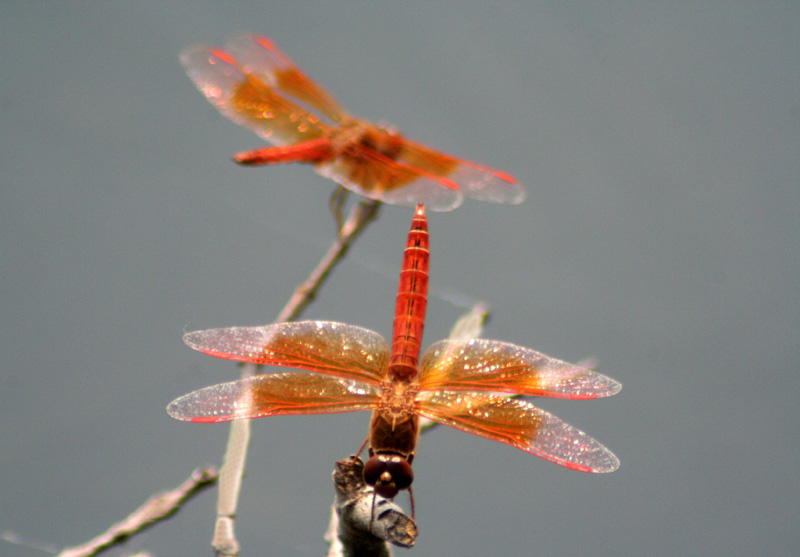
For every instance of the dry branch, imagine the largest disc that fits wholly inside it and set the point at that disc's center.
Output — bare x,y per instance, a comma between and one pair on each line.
157,508
232,471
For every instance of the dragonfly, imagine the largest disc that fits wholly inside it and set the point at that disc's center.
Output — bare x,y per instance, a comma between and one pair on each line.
463,384
253,83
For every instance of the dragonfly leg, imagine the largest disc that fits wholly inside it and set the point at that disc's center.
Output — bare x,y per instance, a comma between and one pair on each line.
361,449
337,203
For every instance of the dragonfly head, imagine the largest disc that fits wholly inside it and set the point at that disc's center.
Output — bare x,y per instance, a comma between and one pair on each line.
388,473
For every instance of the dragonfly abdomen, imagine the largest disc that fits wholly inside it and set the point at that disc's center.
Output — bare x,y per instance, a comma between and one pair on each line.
412,300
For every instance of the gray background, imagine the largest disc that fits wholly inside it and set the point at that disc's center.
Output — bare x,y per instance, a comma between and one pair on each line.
659,147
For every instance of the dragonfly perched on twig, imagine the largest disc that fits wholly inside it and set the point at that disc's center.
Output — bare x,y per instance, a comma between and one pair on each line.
459,383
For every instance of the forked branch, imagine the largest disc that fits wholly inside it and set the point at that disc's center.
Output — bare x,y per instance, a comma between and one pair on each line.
232,471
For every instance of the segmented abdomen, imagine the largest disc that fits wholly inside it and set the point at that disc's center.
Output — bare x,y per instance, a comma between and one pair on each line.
412,299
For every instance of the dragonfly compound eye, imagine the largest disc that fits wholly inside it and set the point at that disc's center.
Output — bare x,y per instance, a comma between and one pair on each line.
388,474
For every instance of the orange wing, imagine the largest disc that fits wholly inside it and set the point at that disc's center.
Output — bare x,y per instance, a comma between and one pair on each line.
502,367
274,394
250,99
478,182
344,351
370,173
519,424
261,57
417,174
256,85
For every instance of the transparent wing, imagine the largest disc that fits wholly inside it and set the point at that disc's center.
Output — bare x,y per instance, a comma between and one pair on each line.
478,182
274,394
344,351
374,175
495,366
248,99
519,424
260,56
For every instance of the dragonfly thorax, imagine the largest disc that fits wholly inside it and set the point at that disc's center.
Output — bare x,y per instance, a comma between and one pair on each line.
397,400
357,133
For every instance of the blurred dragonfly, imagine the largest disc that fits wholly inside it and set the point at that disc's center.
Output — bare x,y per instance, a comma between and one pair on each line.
254,84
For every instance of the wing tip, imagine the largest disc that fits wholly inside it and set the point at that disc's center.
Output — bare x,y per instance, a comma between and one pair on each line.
185,409
174,410
603,463
606,386
191,338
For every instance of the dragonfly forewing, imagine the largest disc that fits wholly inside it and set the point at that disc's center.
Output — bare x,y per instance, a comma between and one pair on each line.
496,366
337,349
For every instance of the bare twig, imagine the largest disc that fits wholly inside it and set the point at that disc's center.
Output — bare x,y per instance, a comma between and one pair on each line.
470,325
362,522
158,507
363,214
232,470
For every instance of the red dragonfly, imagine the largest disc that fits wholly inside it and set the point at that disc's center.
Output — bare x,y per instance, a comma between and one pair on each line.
254,84
456,383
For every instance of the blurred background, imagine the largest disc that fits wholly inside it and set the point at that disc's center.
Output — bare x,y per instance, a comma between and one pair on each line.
659,144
